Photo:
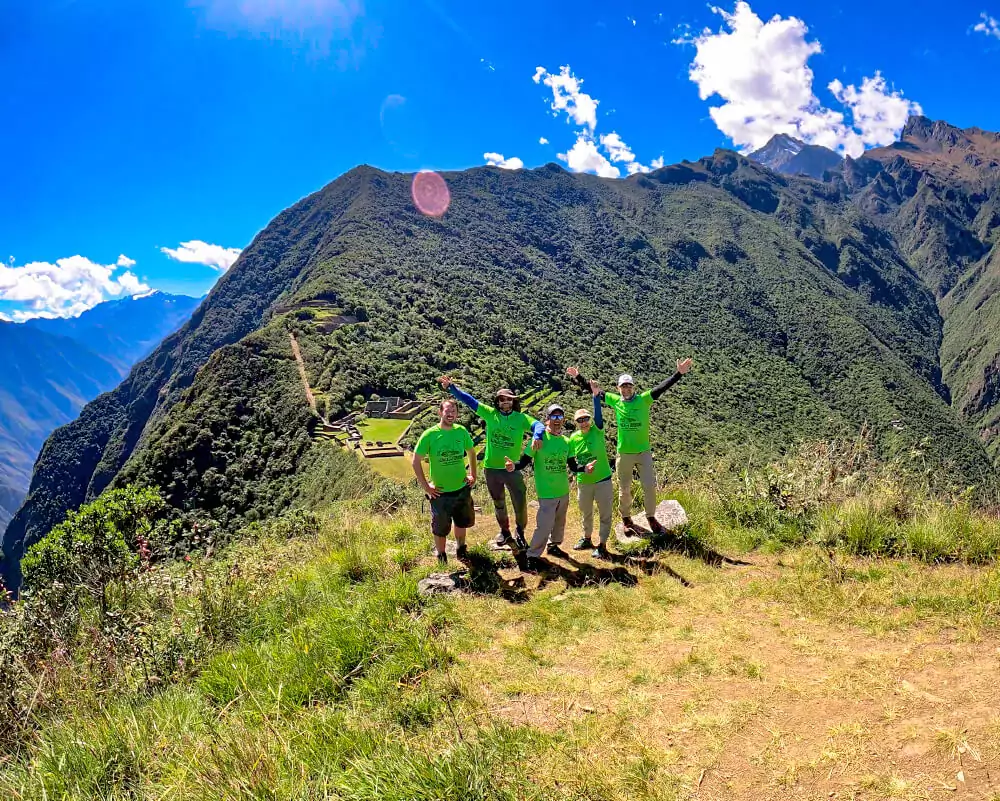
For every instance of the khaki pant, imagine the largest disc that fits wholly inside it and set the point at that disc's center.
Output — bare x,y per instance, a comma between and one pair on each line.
603,493
550,523
627,462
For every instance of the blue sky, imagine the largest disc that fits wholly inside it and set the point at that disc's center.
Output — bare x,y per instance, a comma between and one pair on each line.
133,126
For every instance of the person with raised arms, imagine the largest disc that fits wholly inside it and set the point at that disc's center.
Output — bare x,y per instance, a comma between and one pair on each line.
587,443
447,446
631,410
506,426
553,463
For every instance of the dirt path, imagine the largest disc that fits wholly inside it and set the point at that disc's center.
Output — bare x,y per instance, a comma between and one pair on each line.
302,373
738,689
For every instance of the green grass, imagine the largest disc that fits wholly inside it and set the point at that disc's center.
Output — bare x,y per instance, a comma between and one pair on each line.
395,467
384,429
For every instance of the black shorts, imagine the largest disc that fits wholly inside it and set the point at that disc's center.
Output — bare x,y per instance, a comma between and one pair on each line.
452,507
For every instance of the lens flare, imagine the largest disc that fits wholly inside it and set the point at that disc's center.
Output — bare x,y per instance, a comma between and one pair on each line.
430,193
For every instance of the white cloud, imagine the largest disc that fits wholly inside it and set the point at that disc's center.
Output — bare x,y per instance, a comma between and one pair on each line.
497,160
198,252
656,164
585,157
542,140
66,288
989,25
621,153
760,70
580,107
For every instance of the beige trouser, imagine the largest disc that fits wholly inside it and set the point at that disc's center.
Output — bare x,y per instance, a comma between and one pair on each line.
627,462
602,492
550,523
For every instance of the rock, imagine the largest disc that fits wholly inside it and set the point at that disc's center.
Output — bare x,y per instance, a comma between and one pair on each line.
439,584
670,514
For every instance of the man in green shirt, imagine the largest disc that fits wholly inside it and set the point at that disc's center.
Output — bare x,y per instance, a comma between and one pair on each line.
634,450
552,461
506,426
447,446
586,444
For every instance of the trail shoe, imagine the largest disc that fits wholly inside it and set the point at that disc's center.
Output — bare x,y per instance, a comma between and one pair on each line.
655,526
583,544
442,559
534,564
601,552
522,544
462,552
555,550
631,527
504,538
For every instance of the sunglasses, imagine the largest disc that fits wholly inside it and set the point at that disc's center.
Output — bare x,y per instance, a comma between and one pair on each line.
583,419
555,417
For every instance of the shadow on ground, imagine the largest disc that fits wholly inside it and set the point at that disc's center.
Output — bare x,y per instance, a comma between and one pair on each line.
679,541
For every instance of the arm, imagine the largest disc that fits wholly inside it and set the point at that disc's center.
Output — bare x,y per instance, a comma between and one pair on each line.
537,429
598,412
473,466
683,366
663,386
580,381
418,471
464,397
576,467
520,464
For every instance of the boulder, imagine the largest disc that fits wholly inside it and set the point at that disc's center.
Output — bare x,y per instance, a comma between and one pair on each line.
670,514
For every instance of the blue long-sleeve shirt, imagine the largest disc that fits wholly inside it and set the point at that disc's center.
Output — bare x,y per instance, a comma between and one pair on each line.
598,412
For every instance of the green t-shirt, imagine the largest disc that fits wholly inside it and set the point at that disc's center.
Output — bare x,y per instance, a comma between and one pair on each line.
585,448
632,418
445,449
504,435
551,466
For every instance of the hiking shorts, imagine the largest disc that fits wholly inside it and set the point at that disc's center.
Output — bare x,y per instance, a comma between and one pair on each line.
452,507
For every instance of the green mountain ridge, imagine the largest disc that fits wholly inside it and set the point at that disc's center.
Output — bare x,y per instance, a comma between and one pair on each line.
804,315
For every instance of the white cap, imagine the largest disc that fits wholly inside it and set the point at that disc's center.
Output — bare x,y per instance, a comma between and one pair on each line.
625,378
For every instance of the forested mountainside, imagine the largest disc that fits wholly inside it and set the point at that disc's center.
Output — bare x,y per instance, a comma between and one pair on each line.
937,191
803,313
53,367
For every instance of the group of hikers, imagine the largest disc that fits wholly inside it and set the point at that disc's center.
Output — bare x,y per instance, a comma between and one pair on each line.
450,452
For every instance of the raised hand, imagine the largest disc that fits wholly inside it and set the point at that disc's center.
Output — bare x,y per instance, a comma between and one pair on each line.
683,365
508,464
595,388
572,372
445,381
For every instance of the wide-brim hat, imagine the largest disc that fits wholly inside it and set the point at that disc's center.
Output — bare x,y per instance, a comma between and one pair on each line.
581,413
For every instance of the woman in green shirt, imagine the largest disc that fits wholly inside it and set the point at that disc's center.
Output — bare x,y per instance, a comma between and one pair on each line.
586,444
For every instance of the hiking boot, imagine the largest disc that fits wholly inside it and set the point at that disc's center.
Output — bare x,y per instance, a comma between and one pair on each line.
555,550
504,538
631,527
522,544
583,544
462,552
534,564
655,526
601,552
442,559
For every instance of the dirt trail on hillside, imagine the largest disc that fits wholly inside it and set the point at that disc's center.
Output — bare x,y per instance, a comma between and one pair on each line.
302,372
746,697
